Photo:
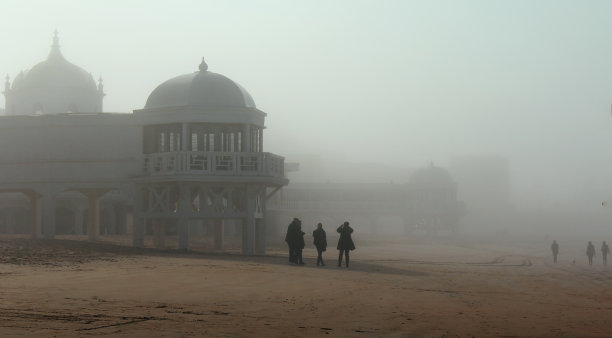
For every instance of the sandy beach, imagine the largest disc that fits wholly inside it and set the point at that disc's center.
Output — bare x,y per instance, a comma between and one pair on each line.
397,287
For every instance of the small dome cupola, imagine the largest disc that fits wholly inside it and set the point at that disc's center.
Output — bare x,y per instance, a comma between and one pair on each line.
203,89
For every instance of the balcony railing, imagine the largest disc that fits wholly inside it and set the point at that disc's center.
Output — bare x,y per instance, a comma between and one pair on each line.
214,163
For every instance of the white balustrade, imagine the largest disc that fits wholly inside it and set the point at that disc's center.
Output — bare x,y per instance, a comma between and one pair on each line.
214,163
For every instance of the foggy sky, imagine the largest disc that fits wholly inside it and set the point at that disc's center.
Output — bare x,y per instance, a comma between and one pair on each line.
398,82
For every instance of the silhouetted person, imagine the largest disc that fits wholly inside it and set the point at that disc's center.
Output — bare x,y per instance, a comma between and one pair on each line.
292,239
320,242
604,252
555,250
590,252
300,245
345,242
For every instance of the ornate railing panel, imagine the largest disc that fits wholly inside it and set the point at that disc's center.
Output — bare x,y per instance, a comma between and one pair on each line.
214,163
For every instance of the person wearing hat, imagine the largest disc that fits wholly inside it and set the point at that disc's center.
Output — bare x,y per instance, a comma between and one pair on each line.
320,242
345,242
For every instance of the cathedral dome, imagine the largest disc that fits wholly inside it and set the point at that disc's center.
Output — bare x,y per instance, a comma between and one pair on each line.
54,86
200,89
55,72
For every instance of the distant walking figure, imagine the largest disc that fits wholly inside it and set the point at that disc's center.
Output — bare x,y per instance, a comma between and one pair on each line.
604,252
320,242
555,250
345,243
292,238
590,252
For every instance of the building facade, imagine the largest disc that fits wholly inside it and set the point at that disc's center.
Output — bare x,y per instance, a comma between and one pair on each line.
194,153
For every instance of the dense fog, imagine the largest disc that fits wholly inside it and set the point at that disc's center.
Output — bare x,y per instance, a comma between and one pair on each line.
512,98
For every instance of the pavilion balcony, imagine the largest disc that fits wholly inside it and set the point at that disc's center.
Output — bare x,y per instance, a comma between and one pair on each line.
214,164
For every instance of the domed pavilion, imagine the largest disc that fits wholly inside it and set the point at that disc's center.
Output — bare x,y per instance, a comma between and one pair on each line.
192,157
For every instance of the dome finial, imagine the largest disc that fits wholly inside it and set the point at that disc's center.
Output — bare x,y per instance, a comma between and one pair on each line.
203,66
55,47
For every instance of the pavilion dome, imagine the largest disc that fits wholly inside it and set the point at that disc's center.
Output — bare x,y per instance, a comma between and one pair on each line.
432,177
54,86
200,89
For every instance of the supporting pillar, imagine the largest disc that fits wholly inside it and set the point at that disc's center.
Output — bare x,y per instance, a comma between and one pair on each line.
78,221
248,225
93,216
260,236
48,216
138,226
260,227
218,233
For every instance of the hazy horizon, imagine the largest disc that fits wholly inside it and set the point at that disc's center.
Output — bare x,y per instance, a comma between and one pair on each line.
400,83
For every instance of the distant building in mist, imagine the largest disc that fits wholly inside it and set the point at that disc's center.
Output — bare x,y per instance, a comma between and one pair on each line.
484,185
427,203
192,157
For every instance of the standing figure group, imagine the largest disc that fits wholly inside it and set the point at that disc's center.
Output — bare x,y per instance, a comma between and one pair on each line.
590,252
295,240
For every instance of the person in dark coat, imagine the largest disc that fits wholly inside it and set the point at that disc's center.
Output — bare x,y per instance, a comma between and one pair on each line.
555,250
292,239
300,244
605,250
320,242
590,252
345,242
